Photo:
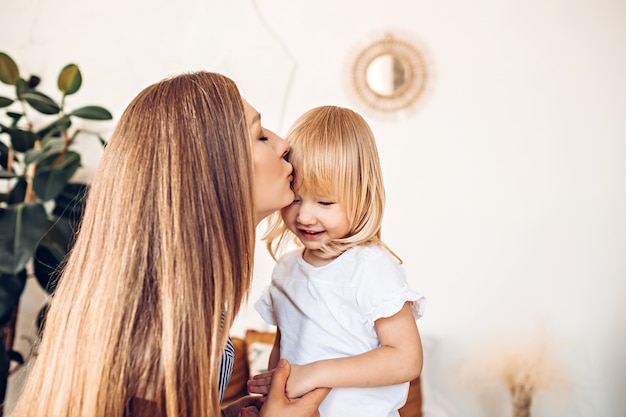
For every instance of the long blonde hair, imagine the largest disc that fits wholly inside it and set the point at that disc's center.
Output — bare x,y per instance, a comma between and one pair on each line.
333,152
161,264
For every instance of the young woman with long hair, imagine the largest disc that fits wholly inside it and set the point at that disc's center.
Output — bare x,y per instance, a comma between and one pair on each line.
139,322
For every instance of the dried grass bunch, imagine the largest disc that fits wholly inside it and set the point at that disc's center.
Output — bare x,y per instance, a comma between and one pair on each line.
525,369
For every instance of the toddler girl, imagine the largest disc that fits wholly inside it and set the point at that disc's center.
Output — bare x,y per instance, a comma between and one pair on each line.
345,316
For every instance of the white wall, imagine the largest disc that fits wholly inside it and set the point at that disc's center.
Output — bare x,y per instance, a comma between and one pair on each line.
506,189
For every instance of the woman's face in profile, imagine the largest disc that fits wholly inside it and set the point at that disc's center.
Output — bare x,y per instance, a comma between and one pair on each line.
272,173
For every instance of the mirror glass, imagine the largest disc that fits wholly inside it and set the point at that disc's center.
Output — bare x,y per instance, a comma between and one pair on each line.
386,75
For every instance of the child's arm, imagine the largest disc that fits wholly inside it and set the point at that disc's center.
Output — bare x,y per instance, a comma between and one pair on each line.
397,360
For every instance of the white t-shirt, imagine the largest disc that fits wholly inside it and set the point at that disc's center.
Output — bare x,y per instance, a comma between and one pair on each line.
329,312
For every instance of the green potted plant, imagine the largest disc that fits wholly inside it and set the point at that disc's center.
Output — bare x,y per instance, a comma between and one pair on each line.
39,208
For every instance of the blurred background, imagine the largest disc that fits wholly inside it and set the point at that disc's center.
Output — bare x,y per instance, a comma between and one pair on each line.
506,184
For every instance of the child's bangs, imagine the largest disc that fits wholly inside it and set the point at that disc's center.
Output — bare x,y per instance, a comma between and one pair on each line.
317,176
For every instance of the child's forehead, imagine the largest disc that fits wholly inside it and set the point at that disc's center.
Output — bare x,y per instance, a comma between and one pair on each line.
317,191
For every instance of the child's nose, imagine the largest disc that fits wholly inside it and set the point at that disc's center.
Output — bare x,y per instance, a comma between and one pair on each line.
305,216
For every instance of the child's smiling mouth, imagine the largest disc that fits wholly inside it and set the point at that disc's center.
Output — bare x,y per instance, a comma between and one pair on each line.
310,234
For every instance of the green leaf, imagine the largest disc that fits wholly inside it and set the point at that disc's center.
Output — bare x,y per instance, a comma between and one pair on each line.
34,155
9,73
5,163
69,159
50,180
33,81
21,228
15,117
41,102
92,113
70,79
18,193
51,252
58,240
71,163
5,102
22,140
53,145
21,87
70,204
48,183
50,146
55,128
11,288
4,154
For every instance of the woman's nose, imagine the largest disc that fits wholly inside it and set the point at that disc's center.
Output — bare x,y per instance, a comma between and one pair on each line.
284,147
281,146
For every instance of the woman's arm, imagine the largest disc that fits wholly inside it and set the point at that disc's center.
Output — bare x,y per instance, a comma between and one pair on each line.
397,360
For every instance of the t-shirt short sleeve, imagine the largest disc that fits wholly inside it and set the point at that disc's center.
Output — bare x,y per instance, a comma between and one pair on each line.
265,307
383,288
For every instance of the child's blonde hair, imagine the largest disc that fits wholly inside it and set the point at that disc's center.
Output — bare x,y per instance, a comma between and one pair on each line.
333,152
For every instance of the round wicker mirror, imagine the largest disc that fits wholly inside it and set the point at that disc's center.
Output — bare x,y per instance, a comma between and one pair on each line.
389,75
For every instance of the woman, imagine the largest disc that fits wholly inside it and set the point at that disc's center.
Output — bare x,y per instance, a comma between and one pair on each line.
140,318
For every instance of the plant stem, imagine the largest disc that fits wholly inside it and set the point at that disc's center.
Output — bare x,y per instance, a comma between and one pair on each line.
29,197
521,398
10,157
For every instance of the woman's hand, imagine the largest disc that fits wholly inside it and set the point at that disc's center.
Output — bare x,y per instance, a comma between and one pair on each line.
299,383
301,380
278,405
247,406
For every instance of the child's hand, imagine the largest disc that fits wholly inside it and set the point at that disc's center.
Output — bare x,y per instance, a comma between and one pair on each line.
298,383
260,383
